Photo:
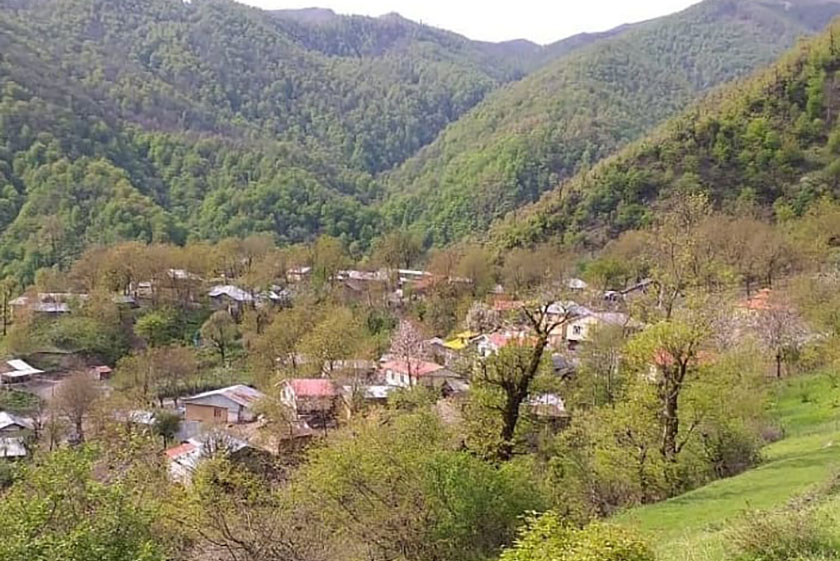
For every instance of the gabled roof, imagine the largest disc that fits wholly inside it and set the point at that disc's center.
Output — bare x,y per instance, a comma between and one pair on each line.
232,292
240,394
313,387
180,450
21,368
572,309
417,367
9,420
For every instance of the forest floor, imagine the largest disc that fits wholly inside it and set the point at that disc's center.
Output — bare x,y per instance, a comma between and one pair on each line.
691,527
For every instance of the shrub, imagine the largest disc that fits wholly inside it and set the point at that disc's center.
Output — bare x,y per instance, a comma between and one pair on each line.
791,533
549,538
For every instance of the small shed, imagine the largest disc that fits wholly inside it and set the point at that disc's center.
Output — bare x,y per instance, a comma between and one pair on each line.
18,371
101,373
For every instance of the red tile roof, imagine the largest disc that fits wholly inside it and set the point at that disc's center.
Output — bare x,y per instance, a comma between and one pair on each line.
418,367
180,450
313,387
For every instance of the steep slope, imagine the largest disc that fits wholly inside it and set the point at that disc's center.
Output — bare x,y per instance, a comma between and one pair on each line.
772,141
527,137
166,120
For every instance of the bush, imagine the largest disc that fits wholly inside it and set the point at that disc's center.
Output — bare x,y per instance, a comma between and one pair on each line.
549,538
791,533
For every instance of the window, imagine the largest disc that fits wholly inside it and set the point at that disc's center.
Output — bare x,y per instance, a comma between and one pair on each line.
577,330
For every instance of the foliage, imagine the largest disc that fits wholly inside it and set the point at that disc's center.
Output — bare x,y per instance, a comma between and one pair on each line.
548,538
524,140
394,486
751,145
58,510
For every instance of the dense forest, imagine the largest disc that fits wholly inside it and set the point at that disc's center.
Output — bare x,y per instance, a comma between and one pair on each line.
526,138
167,121
770,144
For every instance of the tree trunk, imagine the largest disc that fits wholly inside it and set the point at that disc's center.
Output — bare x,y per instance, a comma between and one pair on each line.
515,395
670,427
778,365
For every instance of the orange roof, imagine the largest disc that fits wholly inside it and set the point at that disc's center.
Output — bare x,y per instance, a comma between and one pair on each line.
180,450
418,367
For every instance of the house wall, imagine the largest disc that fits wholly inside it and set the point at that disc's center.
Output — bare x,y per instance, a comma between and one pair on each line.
578,330
206,413
394,378
315,404
236,413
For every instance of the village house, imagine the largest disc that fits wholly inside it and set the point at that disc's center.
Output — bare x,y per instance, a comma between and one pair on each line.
14,425
17,371
490,344
580,329
234,404
405,374
13,432
312,399
230,298
101,373
371,395
184,458
46,303
299,274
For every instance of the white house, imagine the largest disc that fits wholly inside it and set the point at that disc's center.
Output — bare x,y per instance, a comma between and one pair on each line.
233,404
580,329
402,374
187,456
490,344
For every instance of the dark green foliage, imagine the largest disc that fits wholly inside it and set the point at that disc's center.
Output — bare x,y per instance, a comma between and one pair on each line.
525,139
59,511
767,143
163,120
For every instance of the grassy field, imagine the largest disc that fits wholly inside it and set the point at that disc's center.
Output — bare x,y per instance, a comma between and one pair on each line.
689,527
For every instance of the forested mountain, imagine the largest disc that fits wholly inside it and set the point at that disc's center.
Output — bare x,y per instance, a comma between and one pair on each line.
160,119
163,120
527,137
770,145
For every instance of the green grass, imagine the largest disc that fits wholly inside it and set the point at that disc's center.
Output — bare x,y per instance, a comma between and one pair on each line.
16,401
689,527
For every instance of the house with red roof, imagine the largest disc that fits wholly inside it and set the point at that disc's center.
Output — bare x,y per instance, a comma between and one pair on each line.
408,373
234,404
492,343
313,399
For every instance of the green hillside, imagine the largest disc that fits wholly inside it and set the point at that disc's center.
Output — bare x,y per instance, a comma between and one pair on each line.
770,141
529,136
694,525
